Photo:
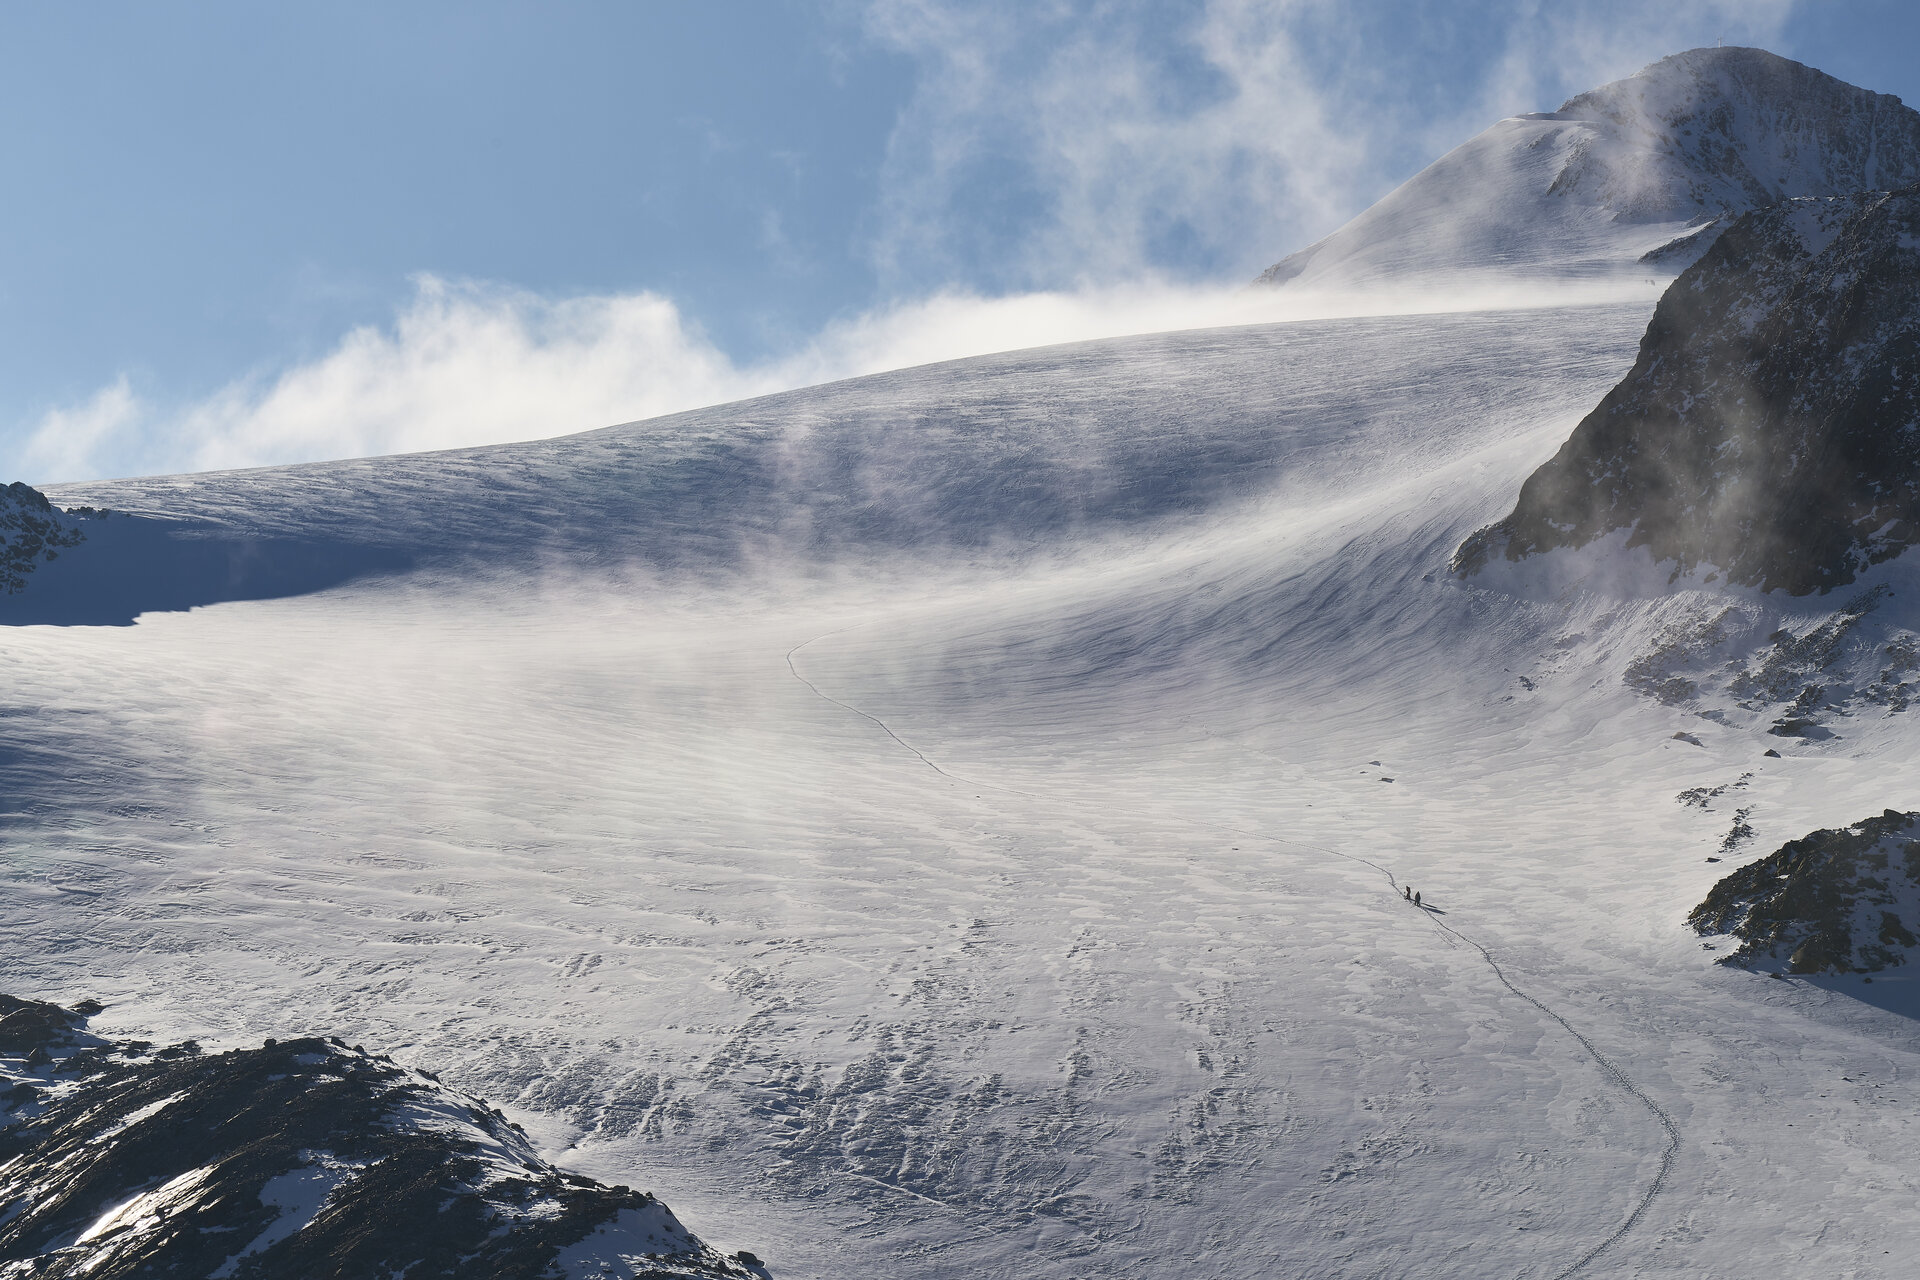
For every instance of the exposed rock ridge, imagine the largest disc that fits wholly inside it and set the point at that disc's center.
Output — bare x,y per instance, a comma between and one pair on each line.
1770,427
1840,900
302,1158
32,531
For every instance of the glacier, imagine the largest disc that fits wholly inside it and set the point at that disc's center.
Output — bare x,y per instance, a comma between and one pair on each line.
956,822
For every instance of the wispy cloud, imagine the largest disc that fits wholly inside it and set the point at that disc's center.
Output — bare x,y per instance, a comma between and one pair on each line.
1084,141
70,440
1549,52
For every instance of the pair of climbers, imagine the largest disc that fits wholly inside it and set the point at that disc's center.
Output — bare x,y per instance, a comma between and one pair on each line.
1408,893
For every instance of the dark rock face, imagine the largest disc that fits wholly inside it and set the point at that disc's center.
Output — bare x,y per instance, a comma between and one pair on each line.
32,531
1845,900
303,1158
1771,424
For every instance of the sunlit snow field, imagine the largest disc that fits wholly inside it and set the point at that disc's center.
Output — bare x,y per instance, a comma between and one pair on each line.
954,823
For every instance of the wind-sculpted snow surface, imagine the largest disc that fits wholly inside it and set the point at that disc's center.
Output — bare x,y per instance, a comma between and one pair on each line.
1000,459
1636,175
1037,928
302,1158
1770,429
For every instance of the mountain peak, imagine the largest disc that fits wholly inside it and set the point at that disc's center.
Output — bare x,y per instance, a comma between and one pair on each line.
1720,131
1642,171
1731,71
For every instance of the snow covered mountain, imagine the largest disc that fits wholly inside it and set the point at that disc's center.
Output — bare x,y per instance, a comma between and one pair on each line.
1637,175
1770,428
962,822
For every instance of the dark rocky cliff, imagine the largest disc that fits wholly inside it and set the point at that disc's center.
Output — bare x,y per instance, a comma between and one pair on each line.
1770,427
303,1158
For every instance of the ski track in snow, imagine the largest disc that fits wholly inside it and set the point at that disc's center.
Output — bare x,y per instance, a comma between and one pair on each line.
1619,1078
1613,1072
884,727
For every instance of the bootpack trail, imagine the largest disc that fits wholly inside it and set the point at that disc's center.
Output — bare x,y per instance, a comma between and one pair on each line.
1611,1071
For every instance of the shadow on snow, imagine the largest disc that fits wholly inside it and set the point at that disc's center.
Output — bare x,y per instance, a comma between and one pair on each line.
131,565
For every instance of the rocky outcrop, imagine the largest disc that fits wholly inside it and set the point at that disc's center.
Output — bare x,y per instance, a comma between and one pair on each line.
1641,173
1837,901
1734,663
32,532
1770,428
301,1158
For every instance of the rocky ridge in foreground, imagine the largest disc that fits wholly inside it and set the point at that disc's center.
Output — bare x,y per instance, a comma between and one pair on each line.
302,1158
1769,431
1845,900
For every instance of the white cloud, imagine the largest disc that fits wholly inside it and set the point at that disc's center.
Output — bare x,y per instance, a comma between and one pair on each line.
69,441
468,364
460,365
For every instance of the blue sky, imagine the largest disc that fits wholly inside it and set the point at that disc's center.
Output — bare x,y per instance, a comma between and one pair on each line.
241,233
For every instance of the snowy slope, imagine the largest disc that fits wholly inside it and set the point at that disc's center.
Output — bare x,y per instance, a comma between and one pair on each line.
954,824
996,460
1652,162
961,822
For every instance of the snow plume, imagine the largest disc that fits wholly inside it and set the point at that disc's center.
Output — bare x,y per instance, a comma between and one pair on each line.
67,441
1065,170
1552,52
472,364
1083,140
